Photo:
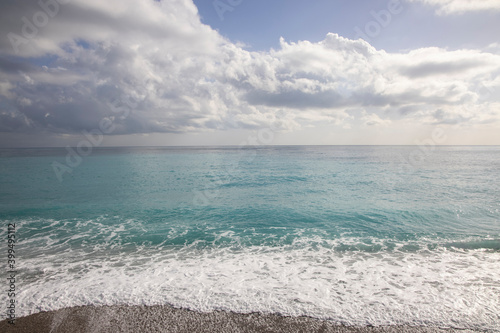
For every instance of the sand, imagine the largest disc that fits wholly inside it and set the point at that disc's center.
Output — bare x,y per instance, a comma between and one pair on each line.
137,319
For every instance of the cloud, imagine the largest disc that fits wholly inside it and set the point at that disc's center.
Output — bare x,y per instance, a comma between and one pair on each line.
455,7
439,68
153,67
175,24
374,120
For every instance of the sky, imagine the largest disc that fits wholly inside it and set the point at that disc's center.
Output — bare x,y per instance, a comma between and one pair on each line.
241,72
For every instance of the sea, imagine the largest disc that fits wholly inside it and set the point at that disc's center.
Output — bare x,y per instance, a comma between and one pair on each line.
359,235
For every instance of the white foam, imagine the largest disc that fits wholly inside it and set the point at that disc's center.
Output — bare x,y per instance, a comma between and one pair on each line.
442,287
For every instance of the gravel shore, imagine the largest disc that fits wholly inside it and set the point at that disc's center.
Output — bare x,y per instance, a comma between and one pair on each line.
89,319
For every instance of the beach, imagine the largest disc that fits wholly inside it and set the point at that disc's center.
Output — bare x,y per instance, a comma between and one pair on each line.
90,319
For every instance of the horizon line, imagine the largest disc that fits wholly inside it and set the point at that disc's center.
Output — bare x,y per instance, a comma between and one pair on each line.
259,146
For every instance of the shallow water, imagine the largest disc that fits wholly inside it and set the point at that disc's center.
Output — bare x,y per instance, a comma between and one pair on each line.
360,235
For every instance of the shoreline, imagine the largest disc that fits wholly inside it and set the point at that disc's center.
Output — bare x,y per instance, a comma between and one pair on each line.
164,318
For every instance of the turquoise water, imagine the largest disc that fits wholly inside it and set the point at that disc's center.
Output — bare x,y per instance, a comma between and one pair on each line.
360,235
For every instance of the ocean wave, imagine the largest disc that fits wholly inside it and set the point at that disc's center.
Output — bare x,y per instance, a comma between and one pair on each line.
352,280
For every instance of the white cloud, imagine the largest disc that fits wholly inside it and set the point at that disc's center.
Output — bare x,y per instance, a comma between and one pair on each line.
374,120
449,7
5,88
176,75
